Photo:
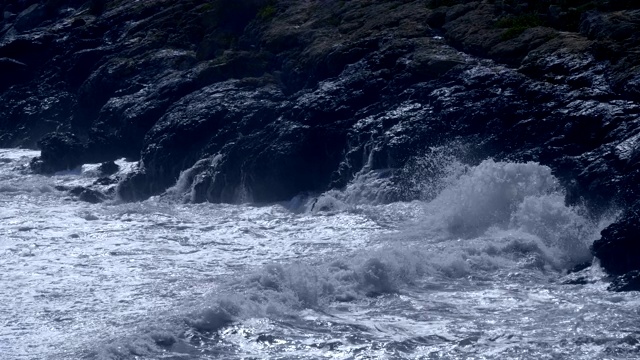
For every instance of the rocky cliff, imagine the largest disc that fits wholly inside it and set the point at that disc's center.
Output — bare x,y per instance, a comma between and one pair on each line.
261,100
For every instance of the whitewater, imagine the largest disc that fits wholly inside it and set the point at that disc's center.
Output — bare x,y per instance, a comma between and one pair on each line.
478,266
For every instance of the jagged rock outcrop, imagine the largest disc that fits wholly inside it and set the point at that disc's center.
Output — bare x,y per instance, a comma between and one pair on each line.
619,247
260,100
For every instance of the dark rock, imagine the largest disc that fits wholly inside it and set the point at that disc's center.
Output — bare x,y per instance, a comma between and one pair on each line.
621,26
429,64
78,22
77,190
164,340
576,280
292,162
619,246
87,195
437,18
627,282
91,196
60,151
26,49
108,168
471,28
83,62
580,267
106,181
30,17
261,100
24,120
514,50
61,188
12,71
135,187
8,66
199,125
266,338
579,275
8,16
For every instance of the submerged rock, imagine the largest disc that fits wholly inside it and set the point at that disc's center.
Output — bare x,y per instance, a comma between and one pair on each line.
88,195
84,193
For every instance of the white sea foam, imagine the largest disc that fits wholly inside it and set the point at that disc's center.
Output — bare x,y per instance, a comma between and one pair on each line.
471,268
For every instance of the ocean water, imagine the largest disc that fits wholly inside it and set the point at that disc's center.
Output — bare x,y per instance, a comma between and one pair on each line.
476,268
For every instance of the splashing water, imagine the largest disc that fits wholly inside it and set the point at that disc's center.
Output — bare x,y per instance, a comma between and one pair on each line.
476,269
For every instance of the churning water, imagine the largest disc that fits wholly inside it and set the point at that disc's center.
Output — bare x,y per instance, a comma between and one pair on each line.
477,269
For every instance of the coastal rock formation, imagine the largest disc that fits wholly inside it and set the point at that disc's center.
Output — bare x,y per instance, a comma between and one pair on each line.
261,100
619,247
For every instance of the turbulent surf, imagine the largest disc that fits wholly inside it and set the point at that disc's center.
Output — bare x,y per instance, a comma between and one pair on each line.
484,267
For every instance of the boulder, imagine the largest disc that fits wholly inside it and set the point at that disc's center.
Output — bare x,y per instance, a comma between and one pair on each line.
107,180
108,168
619,246
59,151
87,194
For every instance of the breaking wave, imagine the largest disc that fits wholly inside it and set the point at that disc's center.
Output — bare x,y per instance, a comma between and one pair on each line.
493,218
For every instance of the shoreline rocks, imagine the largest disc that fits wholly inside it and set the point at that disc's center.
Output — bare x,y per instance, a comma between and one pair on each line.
301,96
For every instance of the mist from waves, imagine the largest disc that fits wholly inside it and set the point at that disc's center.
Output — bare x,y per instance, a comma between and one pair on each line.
485,245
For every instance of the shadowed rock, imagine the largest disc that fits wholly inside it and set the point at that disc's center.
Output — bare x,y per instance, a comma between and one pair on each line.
619,247
59,151
108,168
627,282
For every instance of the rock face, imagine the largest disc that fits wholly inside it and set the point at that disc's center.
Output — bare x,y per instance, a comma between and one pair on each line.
619,247
261,100
59,151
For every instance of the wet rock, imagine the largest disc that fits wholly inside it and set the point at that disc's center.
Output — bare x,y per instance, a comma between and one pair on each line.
200,125
106,180
627,282
135,187
580,274
266,338
88,195
619,246
295,160
108,168
164,340
580,267
59,151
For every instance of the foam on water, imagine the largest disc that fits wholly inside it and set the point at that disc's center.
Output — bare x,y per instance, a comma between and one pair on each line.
470,269
490,221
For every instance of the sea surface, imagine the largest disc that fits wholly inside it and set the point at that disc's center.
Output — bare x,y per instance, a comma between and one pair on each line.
476,268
